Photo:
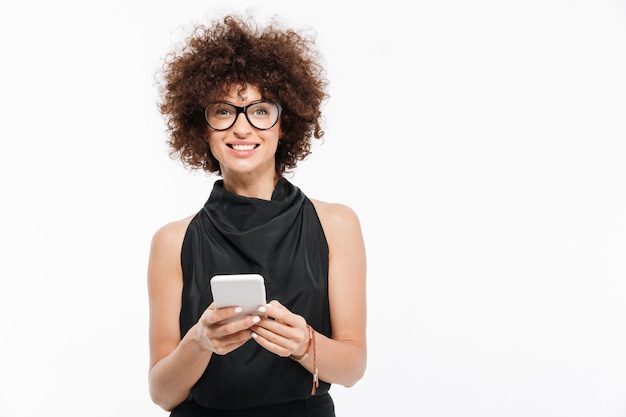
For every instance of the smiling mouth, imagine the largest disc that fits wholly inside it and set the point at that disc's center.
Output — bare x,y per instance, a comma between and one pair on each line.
242,147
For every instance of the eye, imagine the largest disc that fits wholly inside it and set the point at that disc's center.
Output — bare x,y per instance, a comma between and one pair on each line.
261,110
221,110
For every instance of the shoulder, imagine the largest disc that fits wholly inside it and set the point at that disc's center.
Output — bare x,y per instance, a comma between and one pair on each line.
337,219
171,235
334,212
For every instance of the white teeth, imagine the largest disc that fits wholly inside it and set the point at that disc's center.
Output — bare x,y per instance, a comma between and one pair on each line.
243,147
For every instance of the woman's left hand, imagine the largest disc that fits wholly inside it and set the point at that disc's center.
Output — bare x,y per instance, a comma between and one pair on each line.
280,331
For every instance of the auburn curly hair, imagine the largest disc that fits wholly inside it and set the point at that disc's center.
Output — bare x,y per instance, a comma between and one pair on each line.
281,63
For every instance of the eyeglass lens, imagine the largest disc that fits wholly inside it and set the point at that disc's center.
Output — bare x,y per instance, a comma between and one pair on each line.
262,115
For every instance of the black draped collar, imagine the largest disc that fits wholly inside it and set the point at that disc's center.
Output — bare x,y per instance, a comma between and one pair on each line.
234,213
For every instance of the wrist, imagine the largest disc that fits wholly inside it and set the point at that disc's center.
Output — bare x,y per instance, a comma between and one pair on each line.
305,353
200,341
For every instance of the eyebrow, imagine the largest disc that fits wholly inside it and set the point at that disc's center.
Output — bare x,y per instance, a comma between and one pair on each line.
237,105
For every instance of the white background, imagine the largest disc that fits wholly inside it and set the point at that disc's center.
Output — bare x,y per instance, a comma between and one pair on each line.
480,142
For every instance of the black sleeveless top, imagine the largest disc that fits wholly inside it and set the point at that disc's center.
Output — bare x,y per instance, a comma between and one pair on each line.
282,240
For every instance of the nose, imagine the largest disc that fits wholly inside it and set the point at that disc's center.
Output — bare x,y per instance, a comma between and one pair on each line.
242,127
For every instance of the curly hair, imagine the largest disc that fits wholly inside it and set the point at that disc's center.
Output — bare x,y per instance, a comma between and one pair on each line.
281,63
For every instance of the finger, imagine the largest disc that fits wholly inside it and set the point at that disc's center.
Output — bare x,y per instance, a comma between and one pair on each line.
285,340
278,338
222,339
217,322
225,313
278,312
276,326
235,326
270,346
228,344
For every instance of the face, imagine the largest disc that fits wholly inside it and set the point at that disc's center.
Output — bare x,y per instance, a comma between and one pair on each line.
243,150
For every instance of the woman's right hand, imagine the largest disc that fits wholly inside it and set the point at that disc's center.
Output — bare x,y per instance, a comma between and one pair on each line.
220,337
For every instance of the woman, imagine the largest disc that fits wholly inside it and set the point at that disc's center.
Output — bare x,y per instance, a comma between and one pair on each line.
244,103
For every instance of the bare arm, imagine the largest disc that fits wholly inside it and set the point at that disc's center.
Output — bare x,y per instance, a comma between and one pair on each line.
175,364
341,358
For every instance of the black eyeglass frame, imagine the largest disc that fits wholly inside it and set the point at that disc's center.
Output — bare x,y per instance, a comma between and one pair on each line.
243,110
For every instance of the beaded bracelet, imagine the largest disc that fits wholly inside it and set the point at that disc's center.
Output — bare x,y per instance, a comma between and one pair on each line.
316,382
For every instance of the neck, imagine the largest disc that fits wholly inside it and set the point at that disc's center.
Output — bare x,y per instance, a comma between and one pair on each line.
254,188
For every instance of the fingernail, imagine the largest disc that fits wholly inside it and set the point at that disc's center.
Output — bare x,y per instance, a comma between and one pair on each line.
254,335
238,310
262,309
256,319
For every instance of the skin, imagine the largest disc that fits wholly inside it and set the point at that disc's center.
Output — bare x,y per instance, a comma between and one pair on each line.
175,364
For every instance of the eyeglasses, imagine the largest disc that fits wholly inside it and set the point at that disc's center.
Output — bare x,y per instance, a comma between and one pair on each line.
260,114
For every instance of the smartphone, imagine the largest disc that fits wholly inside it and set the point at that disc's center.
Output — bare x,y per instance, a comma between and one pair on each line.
239,290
